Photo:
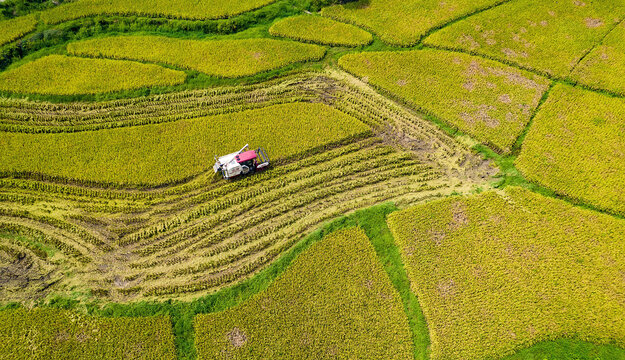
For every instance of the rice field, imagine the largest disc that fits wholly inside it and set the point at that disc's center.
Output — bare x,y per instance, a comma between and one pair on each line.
576,148
320,30
66,75
334,301
185,9
166,153
221,58
488,100
61,334
549,36
14,28
202,234
601,68
444,180
498,272
403,23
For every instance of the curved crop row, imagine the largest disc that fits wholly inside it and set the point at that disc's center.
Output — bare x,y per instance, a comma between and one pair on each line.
222,58
317,29
65,75
185,9
404,22
204,234
15,28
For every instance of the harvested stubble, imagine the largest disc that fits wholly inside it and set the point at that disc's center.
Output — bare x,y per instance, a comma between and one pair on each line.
15,28
65,75
549,36
602,67
488,100
498,272
334,301
166,153
404,22
60,334
185,9
222,58
576,147
317,29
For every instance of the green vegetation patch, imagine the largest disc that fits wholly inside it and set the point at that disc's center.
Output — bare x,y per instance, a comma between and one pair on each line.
549,36
569,349
15,28
169,152
499,272
223,58
334,301
576,147
602,67
65,75
491,101
60,334
320,30
186,9
403,22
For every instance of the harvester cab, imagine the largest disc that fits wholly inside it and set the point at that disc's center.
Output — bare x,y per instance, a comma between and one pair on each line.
242,162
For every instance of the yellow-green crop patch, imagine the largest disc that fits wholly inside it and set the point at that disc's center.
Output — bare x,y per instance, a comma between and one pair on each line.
186,9
223,58
317,29
403,22
60,334
576,147
169,152
602,67
15,28
334,301
498,272
66,75
549,36
491,101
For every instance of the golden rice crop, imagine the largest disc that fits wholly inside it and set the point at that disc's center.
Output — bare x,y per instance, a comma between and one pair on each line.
59,334
602,67
498,272
334,301
491,101
223,58
169,152
550,36
186,9
403,22
317,29
65,75
576,147
15,28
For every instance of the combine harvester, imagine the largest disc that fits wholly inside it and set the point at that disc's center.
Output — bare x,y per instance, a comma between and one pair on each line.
242,162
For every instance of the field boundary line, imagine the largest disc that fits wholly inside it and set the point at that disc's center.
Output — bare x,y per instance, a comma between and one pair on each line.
518,143
459,18
556,79
596,45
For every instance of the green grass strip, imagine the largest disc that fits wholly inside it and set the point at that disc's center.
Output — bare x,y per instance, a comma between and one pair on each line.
373,222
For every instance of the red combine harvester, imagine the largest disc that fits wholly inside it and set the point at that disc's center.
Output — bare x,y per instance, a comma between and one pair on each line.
242,162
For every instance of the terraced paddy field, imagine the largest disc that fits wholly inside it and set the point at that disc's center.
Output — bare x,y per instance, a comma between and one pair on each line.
444,180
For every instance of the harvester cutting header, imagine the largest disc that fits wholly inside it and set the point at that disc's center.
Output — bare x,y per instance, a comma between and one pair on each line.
242,162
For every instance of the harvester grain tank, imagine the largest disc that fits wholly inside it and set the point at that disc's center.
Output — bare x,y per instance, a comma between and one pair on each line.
242,162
